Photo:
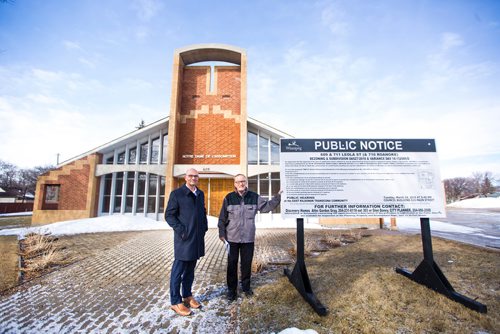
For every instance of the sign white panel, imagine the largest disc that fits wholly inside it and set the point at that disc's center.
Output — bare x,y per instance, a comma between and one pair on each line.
360,178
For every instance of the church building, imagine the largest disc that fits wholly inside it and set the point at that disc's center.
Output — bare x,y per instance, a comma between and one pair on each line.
207,129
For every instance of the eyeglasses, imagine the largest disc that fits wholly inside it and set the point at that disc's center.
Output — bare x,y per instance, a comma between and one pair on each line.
192,176
244,181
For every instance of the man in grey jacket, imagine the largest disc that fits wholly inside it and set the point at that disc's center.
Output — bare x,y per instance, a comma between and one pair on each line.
237,227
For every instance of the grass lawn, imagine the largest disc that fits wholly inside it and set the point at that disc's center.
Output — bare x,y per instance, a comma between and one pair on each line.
8,250
15,221
363,293
8,262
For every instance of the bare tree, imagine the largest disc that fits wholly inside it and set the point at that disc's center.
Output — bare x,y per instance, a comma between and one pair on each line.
8,175
459,187
486,186
24,180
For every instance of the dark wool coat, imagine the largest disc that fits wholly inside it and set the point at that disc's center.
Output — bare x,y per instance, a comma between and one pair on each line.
187,216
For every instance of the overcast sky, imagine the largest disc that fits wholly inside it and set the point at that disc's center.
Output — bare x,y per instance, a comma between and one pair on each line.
77,74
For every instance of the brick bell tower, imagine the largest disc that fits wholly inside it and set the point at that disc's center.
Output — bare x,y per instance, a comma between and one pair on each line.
208,117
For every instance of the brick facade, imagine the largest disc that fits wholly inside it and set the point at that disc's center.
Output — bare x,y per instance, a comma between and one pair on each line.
209,127
78,191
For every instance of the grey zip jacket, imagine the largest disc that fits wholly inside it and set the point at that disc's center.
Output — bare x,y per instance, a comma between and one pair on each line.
237,215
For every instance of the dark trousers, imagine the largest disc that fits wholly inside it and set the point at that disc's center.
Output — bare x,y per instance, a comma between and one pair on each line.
245,251
182,272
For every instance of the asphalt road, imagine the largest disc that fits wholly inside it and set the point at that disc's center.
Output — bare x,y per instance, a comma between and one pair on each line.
484,222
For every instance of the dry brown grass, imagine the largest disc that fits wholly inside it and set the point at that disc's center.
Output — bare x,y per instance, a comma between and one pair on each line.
40,252
363,293
312,244
260,261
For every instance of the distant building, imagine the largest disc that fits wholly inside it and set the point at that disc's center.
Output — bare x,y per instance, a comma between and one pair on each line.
15,196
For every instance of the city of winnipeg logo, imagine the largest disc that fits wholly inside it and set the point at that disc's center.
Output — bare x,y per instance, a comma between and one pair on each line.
293,146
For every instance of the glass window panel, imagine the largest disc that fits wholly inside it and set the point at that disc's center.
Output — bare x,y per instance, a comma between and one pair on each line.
264,186
118,204
151,204
162,185
162,194
105,204
275,176
252,183
252,148
263,150
155,150
119,184
275,153
164,149
140,204
130,183
107,184
52,193
152,184
132,156
144,153
275,187
141,184
121,158
128,204
109,160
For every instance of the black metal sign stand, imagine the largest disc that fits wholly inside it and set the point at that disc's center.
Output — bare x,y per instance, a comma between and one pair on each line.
299,278
429,274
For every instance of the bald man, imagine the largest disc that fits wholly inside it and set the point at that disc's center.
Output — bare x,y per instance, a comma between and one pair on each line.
187,216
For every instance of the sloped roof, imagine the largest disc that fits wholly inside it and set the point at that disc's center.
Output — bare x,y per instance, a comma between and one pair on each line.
157,125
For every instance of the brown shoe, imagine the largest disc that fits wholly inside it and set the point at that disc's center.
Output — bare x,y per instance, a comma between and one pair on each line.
180,309
191,302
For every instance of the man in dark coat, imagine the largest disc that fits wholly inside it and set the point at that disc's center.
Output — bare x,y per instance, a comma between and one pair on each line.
187,216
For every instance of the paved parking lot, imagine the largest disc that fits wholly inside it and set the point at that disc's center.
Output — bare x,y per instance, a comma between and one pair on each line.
124,288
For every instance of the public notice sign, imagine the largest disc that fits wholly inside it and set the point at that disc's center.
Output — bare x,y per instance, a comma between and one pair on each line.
360,178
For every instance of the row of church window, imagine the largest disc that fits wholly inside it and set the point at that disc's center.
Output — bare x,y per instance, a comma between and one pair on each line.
147,151
262,150
133,192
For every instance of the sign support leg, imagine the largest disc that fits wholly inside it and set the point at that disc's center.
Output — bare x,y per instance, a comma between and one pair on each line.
299,278
429,274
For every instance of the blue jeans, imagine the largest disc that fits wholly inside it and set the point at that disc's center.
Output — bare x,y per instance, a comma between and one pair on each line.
182,272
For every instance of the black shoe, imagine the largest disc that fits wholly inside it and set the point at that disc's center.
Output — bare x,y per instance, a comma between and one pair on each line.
231,296
248,293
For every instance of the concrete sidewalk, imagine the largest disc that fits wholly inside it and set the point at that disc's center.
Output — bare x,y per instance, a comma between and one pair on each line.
124,289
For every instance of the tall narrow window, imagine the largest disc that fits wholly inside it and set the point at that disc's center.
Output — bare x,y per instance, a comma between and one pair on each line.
252,148
162,194
132,156
263,150
144,153
141,192
121,158
275,152
264,185
153,184
129,199
155,150
275,187
252,184
108,181
164,149
118,192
